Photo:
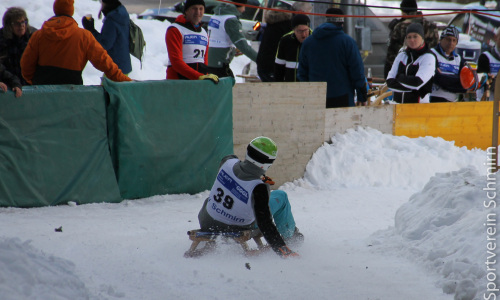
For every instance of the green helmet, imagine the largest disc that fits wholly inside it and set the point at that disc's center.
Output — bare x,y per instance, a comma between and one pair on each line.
262,152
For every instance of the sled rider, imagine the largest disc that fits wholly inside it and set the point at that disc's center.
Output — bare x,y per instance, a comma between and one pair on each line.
240,198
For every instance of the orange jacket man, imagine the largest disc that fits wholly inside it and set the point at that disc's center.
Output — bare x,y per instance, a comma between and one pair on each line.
59,51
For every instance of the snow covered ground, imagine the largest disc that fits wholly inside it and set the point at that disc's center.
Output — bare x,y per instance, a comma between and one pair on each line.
384,217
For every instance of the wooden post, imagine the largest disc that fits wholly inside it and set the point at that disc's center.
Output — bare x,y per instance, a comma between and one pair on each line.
494,139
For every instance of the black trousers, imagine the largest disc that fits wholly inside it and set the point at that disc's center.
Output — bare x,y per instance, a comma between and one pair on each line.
341,101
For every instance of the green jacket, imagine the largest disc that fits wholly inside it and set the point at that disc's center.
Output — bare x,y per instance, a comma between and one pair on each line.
218,57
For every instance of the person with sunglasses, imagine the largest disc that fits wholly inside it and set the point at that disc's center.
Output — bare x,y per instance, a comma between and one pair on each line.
14,37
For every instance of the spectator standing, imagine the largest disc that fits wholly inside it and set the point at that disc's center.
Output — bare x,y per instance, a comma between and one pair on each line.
398,32
278,23
187,44
225,36
411,74
114,36
59,51
14,37
489,62
287,56
9,80
240,198
448,65
331,55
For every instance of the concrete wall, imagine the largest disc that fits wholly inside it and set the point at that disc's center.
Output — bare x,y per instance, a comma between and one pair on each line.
338,120
292,114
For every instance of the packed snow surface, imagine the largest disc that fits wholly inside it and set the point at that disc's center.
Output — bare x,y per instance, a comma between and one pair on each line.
364,238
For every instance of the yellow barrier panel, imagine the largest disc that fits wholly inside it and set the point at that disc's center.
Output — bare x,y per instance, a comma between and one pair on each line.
467,123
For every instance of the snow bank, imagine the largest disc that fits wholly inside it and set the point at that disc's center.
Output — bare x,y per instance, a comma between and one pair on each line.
446,227
27,273
444,224
366,157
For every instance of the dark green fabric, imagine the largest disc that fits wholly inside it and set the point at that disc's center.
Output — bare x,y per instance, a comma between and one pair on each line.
53,147
168,136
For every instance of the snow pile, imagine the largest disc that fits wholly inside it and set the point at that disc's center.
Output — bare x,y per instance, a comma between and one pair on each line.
450,228
27,273
366,157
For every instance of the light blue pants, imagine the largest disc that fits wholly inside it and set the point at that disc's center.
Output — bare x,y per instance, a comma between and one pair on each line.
282,213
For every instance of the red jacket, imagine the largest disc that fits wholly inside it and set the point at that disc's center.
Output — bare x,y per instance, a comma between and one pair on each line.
180,69
58,53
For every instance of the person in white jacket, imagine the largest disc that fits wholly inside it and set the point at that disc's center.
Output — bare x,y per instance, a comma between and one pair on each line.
413,69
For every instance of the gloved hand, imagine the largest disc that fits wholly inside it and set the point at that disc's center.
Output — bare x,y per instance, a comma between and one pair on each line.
88,23
285,252
267,180
212,77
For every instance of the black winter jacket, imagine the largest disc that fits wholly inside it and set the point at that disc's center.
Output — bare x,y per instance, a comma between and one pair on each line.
278,24
287,58
8,78
11,51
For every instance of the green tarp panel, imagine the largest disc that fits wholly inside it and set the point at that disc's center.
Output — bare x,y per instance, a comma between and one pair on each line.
54,147
168,136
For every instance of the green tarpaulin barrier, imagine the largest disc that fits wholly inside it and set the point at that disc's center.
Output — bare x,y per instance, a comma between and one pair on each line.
54,147
167,136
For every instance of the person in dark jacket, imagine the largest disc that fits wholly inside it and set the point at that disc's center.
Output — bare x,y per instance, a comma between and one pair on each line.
277,24
331,55
240,198
59,51
448,65
114,36
14,37
411,74
287,56
9,80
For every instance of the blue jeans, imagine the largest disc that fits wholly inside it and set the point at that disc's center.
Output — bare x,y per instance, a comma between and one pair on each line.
282,213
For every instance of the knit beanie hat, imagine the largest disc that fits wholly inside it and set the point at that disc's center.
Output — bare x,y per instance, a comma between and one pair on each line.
193,2
300,19
109,6
415,28
450,31
64,7
408,6
334,11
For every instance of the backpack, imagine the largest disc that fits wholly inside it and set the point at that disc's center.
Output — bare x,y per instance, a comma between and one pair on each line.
136,41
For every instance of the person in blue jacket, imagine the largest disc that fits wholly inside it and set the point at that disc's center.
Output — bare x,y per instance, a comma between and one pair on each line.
331,55
114,36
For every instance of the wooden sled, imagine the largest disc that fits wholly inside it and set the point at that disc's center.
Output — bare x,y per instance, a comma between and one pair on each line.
241,237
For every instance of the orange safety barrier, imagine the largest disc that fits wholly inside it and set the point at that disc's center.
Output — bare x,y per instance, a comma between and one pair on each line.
467,123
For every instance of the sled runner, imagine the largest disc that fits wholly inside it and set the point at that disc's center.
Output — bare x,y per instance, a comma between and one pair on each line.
210,239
